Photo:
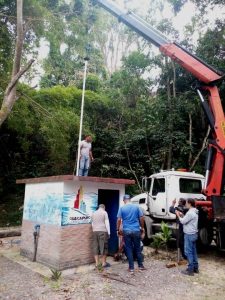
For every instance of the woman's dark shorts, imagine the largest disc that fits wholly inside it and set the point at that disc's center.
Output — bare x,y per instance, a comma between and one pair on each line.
100,243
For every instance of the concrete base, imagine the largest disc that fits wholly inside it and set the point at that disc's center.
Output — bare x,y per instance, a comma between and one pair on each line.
59,247
11,249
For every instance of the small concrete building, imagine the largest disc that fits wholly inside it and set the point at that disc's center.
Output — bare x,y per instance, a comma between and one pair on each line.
61,207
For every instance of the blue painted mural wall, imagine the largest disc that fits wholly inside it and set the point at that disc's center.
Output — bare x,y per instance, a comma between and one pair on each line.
46,203
43,202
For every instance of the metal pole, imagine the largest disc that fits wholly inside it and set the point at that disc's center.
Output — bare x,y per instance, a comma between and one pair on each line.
81,116
178,241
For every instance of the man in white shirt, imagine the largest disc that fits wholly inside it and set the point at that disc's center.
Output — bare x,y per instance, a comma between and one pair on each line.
101,234
85,156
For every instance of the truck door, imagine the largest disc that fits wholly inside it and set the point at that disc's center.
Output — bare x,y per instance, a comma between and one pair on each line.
158,197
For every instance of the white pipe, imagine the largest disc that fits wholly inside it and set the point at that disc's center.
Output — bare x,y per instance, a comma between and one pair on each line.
200,96
206,179
81,116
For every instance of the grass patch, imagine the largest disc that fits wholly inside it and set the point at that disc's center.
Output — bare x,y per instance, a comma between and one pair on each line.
54,284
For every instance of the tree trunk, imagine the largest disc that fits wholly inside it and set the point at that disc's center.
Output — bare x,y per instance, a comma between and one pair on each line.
174,79
164,154
190,140
170,121
134,173
204,145
148,150
10,92
170,99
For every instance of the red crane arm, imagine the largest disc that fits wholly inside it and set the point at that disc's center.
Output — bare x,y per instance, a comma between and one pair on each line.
200,70
215,169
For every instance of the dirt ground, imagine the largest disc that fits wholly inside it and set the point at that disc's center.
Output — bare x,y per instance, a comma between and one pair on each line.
157,282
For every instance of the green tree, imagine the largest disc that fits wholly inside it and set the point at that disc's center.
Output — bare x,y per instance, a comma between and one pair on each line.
202,4
71,40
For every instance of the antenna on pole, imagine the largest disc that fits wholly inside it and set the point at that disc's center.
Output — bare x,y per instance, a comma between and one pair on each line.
81,113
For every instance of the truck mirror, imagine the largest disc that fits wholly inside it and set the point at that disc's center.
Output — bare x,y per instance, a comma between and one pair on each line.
146,183
143,183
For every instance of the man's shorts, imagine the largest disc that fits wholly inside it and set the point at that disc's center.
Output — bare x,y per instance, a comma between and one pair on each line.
100,243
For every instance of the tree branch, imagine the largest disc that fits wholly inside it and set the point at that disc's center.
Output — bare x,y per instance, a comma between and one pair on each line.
19,38
15,79
190,139
129,163
204,145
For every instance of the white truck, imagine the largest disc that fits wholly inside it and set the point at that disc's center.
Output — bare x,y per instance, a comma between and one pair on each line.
161,189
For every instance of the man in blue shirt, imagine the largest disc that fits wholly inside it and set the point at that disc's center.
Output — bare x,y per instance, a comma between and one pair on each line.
132,219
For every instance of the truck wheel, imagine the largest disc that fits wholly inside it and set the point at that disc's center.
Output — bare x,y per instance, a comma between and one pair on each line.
204,238
146,241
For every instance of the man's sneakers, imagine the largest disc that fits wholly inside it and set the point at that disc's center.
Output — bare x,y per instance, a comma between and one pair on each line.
131,271
196,271
142,268
187,272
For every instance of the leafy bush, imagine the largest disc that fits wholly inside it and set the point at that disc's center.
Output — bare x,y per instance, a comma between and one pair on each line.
162,238
157,242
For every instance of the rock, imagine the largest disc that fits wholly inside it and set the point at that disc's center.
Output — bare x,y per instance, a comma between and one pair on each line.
8,232
171,265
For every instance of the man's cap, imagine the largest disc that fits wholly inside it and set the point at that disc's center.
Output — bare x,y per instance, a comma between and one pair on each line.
126,197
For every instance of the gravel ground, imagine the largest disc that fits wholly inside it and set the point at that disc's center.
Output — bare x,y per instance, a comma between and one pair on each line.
157,282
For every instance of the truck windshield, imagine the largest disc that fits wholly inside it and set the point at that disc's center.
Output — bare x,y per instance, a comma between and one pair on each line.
190,186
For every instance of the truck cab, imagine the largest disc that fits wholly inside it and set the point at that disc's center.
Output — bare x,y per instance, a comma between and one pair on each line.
164,187
161,189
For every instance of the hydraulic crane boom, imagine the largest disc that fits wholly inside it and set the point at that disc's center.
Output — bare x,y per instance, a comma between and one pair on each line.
207,77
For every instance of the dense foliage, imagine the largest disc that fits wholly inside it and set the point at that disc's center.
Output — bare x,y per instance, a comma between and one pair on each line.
140,123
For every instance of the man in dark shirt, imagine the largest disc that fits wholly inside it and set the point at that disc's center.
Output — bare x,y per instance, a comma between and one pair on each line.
181,207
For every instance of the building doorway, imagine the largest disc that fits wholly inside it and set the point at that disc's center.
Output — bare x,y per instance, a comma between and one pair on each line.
110,198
